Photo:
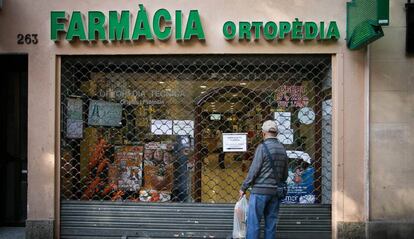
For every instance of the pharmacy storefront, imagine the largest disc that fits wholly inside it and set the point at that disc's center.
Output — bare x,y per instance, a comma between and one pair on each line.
154,111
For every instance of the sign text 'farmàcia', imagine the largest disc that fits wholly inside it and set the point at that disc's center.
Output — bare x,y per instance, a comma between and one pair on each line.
121,26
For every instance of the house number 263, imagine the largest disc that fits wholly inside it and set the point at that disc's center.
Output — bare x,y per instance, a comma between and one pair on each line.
27,39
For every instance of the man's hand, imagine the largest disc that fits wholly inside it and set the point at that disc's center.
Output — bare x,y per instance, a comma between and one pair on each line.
241,193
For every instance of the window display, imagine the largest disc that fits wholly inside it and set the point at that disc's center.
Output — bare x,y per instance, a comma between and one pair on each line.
150,129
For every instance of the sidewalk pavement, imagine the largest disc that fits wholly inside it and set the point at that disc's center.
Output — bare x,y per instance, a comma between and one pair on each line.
12,233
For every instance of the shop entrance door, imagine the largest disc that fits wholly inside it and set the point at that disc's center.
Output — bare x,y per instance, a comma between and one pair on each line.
141,141
13,140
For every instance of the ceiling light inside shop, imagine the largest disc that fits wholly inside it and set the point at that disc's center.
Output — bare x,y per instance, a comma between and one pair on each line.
203,86
161,82
202,92
243,83
235,95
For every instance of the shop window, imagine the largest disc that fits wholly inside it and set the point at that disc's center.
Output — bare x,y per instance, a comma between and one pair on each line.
150,128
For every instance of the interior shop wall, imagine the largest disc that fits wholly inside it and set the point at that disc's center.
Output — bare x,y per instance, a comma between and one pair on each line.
392,122
29,17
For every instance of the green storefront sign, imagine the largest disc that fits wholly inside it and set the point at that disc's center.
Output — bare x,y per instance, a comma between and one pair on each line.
120,27
163,25
296,30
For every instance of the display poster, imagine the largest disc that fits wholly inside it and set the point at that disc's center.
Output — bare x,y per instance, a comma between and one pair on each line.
234,142
283,120
285,132
183,127
294,154
75,108
128,160
102,113
74,129
285,136
300,179
74,126
158,172
291,96
162,127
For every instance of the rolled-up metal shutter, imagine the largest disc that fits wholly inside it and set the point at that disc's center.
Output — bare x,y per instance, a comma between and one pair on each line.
179,220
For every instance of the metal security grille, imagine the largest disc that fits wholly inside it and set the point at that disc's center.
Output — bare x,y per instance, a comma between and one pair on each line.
150,128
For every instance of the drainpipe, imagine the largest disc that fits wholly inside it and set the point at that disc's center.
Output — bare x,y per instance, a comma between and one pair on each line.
367,168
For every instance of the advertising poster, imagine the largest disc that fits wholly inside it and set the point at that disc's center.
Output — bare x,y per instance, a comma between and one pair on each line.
283,120
291,95
300,186
158,172
285,136
128,160
74,125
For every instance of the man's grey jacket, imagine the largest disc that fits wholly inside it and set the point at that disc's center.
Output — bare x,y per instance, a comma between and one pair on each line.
261,177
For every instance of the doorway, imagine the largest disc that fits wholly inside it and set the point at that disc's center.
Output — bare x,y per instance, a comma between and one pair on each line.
13,140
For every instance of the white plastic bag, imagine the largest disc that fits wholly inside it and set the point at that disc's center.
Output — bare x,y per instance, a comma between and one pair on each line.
240,218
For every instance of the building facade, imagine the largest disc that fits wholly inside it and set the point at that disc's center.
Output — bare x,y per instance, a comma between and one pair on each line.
117,88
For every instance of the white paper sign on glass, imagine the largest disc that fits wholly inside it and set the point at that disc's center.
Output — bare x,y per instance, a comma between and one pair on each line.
183,127
162,127
283,120
234,142
306,115
286,136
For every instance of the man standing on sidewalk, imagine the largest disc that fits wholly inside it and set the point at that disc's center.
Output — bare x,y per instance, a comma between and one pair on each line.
264,177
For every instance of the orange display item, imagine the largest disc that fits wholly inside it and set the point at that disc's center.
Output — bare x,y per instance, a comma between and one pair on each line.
97,154
90,190
102,165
